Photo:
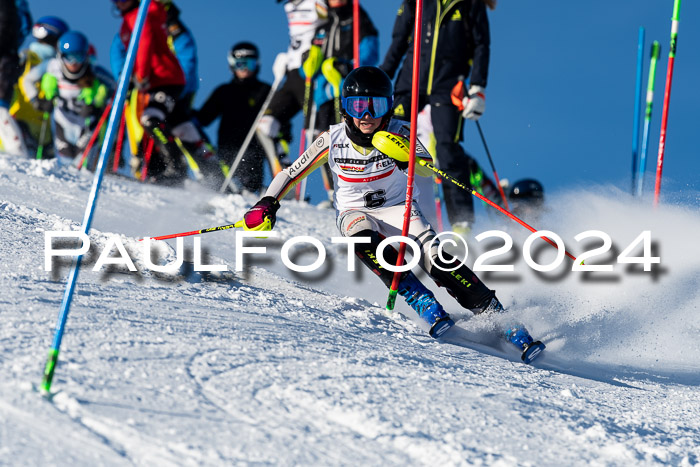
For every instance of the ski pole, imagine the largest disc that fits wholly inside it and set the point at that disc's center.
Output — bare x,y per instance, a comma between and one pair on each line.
483,198
655,50
637,104
42,133
417,34
52,360
310,132
148,151
493,167
95,133
356,33
191,163
302,145
195,232
120,142
279,75
667,98
437,193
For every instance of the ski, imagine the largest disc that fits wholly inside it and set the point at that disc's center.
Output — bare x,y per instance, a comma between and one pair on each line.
532,351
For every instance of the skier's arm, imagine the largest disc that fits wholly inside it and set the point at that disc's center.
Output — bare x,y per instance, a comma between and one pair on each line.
399,39
262,216
315,156
212,108
481,38
396,146
29,83
186,53
117,56
142,66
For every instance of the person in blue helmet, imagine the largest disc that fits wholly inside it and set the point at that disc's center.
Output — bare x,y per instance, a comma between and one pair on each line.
15,21
369,197
70,91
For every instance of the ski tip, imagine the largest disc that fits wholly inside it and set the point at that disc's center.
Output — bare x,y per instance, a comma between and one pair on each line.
532,351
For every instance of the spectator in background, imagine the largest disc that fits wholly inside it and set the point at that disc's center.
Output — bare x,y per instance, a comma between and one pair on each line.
15,23
181,45
303,18
45,32
455,45
238,103
158,74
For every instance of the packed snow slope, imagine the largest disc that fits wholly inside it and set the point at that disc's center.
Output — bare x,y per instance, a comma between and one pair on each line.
266,366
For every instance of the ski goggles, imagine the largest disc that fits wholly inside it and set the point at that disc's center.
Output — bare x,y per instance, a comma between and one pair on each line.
243,63
73,58
358,106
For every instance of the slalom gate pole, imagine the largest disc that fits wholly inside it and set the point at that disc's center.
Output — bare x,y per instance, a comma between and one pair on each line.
248,138
310,137
147,144
92,201
667,98
471,190
94,135
302,144
42,133
655,50
417,38
637,104
493,167
195,232
308,98
120,142
356,33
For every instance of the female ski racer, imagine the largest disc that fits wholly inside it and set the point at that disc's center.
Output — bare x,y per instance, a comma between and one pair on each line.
370,192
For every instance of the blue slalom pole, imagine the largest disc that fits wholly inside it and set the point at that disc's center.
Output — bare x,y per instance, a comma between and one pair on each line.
637,106
114,118
655,51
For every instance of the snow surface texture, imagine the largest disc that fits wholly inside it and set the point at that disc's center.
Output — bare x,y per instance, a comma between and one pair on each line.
267,366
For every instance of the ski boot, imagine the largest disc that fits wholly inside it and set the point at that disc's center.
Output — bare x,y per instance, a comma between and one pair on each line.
423,301
518,336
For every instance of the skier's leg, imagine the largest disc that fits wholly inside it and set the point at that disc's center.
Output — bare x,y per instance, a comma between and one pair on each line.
420,298
451,157
464,285
154,119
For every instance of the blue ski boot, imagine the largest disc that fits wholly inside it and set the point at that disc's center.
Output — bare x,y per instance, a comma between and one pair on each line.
423,301
518,336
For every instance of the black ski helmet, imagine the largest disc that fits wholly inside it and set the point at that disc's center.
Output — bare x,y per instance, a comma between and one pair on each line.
243,50
527,190
368,81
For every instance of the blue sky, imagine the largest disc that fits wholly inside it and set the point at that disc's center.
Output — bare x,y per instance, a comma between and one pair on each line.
561,83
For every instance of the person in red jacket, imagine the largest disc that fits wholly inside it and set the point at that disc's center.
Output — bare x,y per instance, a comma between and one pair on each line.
158,74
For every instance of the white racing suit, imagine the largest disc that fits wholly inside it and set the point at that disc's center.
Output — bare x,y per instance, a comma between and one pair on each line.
369,197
